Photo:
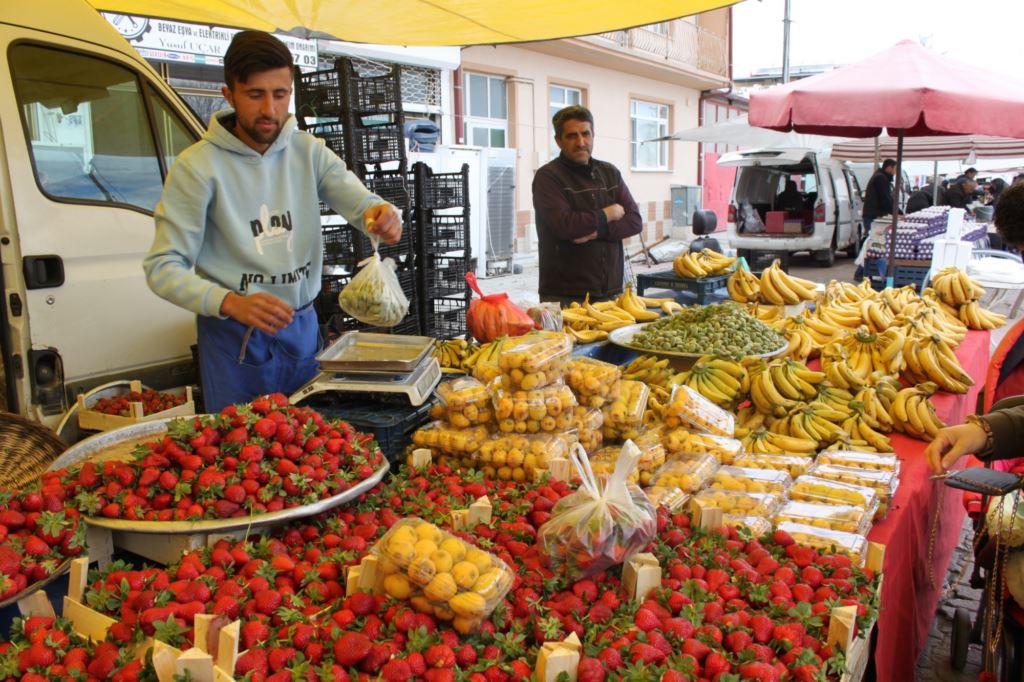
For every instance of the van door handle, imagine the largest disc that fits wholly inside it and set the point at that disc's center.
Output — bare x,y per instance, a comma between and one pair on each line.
43,272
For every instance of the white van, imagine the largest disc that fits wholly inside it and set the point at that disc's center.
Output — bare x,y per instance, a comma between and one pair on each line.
87,132
825,218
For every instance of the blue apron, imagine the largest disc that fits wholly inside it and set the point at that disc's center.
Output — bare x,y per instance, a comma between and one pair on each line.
236,369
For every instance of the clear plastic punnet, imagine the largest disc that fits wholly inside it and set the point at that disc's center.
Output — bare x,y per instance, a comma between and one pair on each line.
600,525
519,457
794,465
624,416
757,525
587,423
446,438
744,479
547,409
466,401
740,504
594,382
689,474
652,456
689,408
883,481
823,539
440,574
842,517
809,488
886,461
684,441
534,362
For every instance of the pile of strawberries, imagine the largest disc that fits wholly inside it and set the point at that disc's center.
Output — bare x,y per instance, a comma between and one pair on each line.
37,534
152,402
42,648
262,457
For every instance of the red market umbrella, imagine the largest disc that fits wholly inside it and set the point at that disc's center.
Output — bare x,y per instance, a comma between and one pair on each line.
907,90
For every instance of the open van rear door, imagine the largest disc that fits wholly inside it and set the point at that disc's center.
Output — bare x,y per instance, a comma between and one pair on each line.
764,157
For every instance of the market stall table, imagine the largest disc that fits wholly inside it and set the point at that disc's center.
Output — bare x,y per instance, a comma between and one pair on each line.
913,578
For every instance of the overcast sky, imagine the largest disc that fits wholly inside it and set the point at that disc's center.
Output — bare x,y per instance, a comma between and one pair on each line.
837,32
844,31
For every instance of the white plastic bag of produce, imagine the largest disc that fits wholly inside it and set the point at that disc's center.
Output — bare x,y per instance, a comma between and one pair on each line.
374,296
603,523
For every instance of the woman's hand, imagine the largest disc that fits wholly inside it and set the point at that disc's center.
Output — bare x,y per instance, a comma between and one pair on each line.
952,443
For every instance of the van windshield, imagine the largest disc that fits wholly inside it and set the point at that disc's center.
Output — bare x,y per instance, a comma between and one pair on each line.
761,189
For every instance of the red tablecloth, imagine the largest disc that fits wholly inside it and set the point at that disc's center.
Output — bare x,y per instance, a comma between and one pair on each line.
908,598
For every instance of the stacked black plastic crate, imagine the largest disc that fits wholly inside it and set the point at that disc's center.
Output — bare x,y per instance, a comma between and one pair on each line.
441,204
360,118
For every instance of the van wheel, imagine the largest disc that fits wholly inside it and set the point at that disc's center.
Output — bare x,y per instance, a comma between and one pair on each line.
827,258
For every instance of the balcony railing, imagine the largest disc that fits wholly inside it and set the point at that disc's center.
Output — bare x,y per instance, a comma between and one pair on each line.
683,43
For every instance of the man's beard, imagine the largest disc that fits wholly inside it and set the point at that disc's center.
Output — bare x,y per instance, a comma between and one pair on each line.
258,135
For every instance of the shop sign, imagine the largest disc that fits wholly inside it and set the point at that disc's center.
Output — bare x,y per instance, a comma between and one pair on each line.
175,41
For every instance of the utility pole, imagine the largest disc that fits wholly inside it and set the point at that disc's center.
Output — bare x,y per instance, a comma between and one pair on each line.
786,21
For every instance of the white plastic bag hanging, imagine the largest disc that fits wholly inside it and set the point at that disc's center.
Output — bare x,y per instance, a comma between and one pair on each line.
374,296
601,524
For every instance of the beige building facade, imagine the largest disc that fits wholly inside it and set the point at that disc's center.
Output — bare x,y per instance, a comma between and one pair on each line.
640,84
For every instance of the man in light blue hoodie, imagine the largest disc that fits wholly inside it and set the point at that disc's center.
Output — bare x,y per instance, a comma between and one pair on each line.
238,236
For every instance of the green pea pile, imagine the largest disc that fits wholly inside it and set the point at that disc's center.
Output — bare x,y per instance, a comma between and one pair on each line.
721,329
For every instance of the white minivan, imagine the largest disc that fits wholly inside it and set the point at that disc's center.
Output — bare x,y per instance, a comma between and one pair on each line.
822,216
87,132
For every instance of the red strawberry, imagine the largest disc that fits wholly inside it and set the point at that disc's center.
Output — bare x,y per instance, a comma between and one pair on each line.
439,656
351,648
441,675
465,656
279,658
645,653
762,672
611,658
252,661
267,601
696,648
646,620
782,538
672,675
396,670
762,628
812,575
37,655
736,641
362,603
590,670
716,664
254,632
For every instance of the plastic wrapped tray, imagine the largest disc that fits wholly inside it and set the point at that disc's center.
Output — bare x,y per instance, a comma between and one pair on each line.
883,482
885,461
587,426
809,488
547,409
740,504
652,457
624,416
686,442
689,408
439,574
843,517
852,544
594,382
758,526
446,438
466,401
530,452
689,474
534,362
794,465
744,479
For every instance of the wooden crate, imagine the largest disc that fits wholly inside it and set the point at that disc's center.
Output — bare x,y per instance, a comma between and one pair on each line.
92,420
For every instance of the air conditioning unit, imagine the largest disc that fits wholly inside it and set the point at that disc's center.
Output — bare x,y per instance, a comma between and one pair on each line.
499,169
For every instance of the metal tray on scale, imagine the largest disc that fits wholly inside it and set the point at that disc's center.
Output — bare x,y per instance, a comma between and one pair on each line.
368,352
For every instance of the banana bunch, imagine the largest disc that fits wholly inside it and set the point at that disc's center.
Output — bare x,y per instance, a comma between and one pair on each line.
931,359
865,427
873,410
839,315
656,373
976,317
852,444
834,397
697,265
955,288
814,421
632,304
876,314
820,332
452,354
781,288
835,363
484,354
869,351
748,419
927,319
779,386
743,286
722,381
846,293
764,442
801,344
897,299
767,313
601,317
914,414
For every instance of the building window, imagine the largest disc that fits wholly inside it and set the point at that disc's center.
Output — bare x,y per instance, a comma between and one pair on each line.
486,110
660,28
648,121
560,97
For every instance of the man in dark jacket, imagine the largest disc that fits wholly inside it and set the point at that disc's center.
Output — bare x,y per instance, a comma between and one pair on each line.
878,195
961,192
583,212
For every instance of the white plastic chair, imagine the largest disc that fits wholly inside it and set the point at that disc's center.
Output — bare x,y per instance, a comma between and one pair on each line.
997,287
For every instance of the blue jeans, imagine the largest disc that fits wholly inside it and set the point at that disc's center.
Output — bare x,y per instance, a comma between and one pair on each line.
236,370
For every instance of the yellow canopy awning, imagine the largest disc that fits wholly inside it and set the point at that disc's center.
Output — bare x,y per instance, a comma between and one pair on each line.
419,22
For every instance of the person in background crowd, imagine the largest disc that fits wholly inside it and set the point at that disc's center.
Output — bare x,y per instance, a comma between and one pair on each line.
1018,179
790,198
972,173
583,211
995,189
238,238
878,195
918,200
960,193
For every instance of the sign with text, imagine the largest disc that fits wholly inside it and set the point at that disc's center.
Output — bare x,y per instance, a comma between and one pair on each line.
175,41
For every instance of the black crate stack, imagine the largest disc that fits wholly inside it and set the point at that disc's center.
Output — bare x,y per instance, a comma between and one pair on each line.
360,118
441,202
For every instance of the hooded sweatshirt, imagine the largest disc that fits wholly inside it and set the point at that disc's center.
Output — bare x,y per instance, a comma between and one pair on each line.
232,219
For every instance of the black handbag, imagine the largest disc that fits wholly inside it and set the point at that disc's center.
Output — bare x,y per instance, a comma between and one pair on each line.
985,481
